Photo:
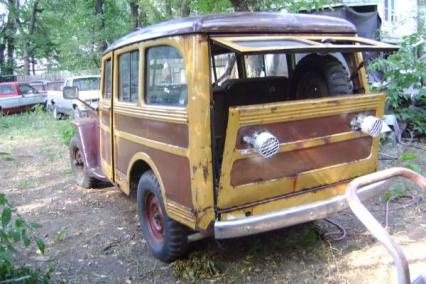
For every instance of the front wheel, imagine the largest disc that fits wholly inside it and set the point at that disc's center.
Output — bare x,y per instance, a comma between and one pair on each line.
78,166
166,238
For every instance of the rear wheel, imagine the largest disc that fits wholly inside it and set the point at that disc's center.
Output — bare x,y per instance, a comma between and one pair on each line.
166,238
318,76
78,166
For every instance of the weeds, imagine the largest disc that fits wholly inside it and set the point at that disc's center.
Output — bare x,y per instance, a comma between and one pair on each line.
198,266
24,184
408,162
67,131
404,77
255,257
16,231
60,235
5,156
35,124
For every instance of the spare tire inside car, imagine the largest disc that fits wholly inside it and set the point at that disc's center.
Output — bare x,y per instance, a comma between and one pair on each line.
318,76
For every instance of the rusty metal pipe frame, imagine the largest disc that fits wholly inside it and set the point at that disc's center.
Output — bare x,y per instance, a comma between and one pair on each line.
352,196
290,216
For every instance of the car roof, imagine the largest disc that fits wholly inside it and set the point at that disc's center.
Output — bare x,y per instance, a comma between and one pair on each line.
13,83
239,23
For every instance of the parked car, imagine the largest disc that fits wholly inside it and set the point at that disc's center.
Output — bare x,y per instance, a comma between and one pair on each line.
88,87
54,86
18,97
39,85
214,141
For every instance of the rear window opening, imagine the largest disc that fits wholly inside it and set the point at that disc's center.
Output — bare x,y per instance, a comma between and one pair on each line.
240,79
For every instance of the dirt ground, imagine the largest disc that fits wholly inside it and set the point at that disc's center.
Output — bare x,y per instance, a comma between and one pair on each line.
93,236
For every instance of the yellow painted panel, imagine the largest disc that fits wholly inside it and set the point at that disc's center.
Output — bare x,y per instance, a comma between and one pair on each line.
230,195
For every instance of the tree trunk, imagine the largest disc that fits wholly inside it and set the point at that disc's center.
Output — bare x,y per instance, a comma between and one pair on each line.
134,14
26,57
185,9
11,28
240,5
169,11
99,8
2,57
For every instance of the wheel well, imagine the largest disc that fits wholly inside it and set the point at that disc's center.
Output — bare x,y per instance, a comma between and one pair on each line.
138,168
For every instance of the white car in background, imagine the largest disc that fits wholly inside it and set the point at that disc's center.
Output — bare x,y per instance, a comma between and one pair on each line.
88,87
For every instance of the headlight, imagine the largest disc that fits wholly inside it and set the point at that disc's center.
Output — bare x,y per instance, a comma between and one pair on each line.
369,124
264,143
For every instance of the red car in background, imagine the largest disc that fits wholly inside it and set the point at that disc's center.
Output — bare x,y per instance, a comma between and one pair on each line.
18,97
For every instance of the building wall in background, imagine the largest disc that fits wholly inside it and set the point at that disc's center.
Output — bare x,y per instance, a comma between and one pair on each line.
399,17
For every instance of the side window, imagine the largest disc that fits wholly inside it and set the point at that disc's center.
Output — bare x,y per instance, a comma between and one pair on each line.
7,90
107,88
266,65
26,89
128,76
226,67
165,79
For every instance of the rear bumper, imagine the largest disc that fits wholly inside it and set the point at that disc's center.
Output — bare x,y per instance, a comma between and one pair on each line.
291,216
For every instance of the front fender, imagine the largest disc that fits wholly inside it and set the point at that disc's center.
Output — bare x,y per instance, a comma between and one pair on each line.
88,135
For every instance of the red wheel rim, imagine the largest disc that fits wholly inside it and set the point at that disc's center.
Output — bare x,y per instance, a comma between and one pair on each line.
154,217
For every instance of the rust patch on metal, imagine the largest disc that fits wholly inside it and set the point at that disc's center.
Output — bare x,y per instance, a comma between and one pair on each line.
205,172
313,190
289,164
161,131
174,170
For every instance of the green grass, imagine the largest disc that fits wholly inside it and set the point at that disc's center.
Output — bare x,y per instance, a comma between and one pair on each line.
35,124
24,184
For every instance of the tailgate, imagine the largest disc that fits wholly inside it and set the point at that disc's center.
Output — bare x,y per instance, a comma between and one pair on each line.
317,147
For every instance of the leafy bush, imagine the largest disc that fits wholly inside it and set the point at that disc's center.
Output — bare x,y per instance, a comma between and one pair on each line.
67,131
16,232
404,82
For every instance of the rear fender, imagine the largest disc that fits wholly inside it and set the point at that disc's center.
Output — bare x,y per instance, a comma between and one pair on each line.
88,135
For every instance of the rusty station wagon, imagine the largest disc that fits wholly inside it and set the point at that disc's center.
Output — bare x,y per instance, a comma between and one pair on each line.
232,125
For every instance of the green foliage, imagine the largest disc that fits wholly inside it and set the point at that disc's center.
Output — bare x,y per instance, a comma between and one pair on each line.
67,131
395,192
404,76
294,5
409,162
407,156
72,34
5,156
16,234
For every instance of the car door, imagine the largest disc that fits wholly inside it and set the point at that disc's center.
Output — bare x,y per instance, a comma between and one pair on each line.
29,95
105,117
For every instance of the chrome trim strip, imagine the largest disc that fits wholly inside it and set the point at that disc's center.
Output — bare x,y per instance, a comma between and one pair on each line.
290,216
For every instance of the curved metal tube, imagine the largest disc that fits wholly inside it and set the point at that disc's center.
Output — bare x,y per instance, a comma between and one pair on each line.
403,272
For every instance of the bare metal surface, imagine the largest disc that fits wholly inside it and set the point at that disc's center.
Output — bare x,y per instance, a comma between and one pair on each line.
290,216
353,196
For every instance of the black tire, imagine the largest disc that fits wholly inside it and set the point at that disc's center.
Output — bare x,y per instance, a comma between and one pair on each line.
79,169
167,239
318,76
